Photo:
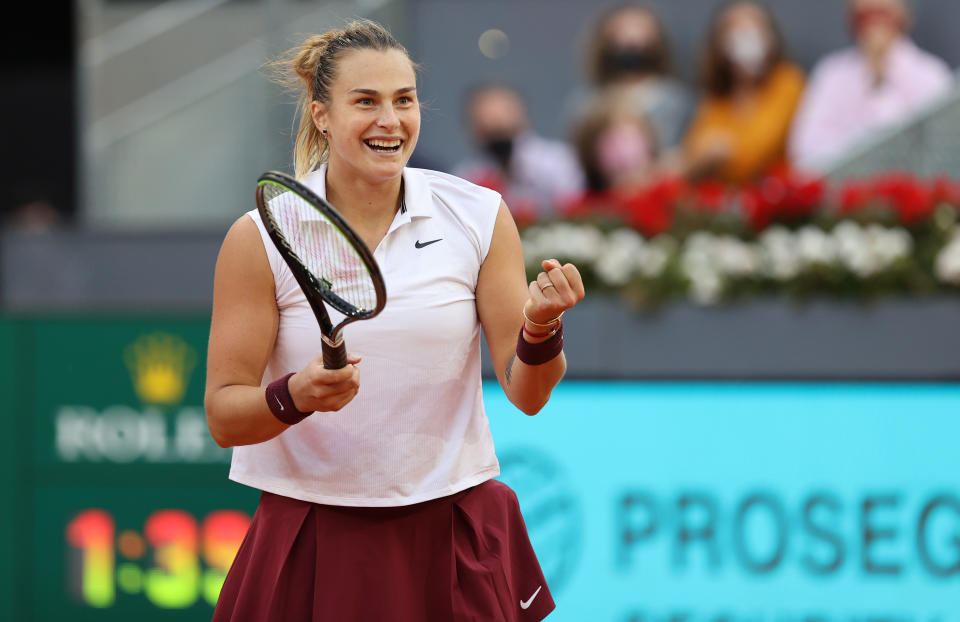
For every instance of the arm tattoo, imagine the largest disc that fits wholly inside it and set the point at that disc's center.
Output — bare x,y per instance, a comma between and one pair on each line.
508,372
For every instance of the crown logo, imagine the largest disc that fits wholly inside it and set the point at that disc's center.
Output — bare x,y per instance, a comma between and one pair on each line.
160,365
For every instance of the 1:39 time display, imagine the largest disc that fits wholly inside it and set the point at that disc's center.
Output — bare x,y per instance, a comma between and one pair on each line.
187,560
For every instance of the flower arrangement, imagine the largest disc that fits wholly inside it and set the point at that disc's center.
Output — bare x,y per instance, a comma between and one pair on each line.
893,234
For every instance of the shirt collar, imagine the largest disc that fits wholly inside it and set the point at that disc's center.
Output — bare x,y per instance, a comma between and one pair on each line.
416,194
416,201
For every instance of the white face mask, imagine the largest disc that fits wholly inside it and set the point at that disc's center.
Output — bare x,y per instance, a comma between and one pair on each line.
747,48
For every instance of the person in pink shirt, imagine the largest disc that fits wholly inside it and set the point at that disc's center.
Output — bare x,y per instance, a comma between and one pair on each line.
853,92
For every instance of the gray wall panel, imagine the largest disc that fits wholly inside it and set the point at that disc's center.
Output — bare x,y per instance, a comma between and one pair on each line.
766,339
93,271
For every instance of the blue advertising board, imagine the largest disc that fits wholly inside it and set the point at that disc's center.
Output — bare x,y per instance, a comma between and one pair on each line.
741,502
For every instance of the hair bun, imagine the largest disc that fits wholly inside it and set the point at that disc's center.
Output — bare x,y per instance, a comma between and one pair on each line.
311,51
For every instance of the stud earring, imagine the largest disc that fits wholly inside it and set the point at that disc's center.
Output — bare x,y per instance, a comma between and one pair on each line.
324,132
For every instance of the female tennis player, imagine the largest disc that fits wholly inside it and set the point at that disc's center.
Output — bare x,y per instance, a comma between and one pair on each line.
379,503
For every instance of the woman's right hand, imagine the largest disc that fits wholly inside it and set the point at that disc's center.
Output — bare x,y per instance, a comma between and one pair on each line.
316,388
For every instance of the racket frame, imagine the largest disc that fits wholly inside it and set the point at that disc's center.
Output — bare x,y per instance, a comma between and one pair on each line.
315,293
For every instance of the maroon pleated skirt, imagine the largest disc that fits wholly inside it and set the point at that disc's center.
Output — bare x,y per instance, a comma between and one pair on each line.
462,558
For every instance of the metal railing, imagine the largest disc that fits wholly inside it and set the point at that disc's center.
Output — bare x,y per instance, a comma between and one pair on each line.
925,144
176,120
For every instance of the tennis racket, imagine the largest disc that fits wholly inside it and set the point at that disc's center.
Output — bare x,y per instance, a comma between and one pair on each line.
326,256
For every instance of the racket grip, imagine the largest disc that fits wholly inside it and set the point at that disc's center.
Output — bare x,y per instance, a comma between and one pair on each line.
334,357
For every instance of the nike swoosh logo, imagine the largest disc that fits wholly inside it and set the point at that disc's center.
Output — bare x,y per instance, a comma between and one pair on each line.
278,402
526,604
420,244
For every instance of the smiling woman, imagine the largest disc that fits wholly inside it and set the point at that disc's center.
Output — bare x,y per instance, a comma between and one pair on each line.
379,502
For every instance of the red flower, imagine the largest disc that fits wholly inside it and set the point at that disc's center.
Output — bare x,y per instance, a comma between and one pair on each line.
914,203
575,206
782,196
524,212
489,179
710,195
587,204
946,190
806,195
668,190
854,194
647,209
647,212
758,211
909,197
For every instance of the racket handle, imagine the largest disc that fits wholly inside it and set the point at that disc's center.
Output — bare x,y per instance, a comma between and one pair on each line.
334,357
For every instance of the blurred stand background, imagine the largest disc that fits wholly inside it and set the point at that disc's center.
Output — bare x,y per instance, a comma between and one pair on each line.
152,118
141,125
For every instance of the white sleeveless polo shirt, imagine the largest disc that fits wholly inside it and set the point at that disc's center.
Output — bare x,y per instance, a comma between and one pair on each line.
417,429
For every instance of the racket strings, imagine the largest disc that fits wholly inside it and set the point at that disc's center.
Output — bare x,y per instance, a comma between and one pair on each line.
323,250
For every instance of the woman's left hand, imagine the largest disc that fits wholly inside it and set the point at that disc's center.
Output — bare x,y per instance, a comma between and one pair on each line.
555,290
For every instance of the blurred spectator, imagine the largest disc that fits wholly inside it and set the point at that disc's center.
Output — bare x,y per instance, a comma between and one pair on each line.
615,145
880,80
37,216
617,148
30,208
628,49
534,174
741,128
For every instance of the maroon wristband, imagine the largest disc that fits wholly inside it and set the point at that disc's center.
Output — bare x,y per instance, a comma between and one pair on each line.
281,404
540,353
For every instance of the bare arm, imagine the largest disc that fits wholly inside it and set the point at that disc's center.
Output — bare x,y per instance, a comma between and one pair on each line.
502,294
243,330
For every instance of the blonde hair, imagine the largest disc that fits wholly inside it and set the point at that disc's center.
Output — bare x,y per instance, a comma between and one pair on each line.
310,68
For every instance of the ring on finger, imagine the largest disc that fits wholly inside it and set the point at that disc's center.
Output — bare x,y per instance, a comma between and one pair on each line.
544,287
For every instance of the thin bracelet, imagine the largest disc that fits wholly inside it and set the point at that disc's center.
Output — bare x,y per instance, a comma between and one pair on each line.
549,333
549,324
